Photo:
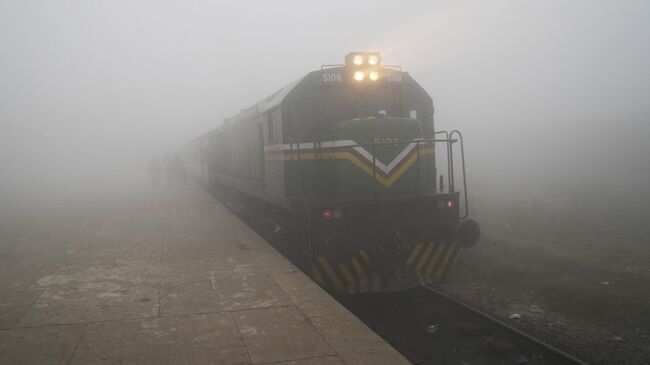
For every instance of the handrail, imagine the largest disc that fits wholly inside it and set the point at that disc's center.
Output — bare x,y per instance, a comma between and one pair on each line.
417,158
323,67
393,67
374,171
449,161
462,159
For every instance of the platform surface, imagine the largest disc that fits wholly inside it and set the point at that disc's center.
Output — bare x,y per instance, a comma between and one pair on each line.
168,277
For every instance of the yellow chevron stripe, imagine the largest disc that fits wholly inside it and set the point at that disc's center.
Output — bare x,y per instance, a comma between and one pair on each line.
357,267
452,262
348,277
442,268
457,258
365,166
397,174
440,247
424,258
294,155
441,262
413,255
330,272
315,273
365,256
361,274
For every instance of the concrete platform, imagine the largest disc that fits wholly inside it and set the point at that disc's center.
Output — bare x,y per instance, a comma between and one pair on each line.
166,278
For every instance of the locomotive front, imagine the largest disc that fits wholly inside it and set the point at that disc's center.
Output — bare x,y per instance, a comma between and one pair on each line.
373,212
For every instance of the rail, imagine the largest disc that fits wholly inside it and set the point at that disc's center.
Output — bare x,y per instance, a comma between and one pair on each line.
560,356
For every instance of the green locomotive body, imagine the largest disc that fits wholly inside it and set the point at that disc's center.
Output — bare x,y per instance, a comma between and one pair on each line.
341,163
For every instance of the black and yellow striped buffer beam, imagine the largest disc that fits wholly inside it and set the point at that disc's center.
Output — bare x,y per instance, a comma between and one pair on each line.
426,263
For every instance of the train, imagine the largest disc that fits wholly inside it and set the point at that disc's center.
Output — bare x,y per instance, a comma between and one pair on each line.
345,168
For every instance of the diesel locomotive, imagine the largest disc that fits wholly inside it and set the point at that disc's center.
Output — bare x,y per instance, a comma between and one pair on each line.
341,166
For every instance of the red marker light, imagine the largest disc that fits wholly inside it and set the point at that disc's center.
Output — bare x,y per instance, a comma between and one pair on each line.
450,203
327,214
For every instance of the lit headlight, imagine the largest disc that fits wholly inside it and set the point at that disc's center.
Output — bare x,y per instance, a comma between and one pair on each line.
359,75
373,60
373,75
357,60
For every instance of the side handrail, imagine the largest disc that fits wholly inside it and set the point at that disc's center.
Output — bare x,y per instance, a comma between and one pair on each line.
417,158
462,159
450,168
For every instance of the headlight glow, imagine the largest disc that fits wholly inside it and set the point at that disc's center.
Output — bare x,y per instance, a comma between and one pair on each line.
359,75
373,75
373,60
357,60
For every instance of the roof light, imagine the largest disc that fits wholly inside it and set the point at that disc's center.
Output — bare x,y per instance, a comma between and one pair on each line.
362,59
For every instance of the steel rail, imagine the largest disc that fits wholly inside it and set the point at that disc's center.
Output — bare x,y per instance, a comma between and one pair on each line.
565,356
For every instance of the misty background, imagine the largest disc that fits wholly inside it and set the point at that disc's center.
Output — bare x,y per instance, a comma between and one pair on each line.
553,97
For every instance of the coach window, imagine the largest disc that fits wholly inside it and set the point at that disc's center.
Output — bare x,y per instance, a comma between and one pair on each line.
270,128
413,114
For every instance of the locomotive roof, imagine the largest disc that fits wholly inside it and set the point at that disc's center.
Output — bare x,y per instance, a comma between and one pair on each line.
272,101
279,96
275,99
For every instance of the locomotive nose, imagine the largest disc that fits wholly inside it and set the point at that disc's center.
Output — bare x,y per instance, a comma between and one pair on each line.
468,232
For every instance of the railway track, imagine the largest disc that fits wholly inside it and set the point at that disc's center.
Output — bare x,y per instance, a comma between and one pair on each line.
549,352
429,327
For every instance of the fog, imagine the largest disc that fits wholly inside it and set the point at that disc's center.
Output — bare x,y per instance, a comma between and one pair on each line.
547,93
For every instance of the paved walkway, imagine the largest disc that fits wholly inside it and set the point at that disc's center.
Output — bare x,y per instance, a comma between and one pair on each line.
166,278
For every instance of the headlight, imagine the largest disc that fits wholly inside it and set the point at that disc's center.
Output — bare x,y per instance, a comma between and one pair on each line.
373,60
357,60
359,75
373,75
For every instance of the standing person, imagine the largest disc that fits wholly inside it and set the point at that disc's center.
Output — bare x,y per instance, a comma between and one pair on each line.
180,172
155,172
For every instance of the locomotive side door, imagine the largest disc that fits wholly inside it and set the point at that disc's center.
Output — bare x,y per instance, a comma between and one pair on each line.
273,153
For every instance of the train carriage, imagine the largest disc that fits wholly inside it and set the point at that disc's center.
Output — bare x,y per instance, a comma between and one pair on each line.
341,164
